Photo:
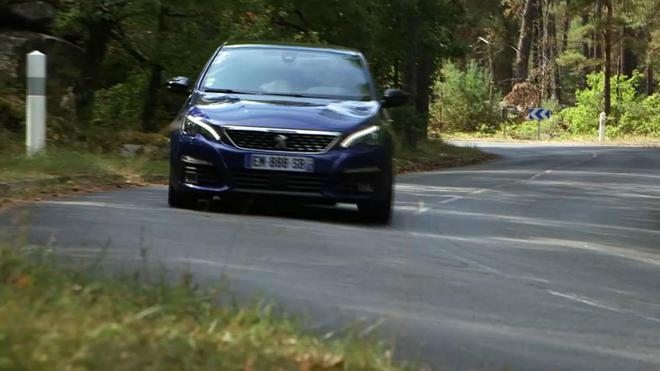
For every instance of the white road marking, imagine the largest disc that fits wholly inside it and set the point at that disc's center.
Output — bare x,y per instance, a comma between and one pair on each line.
592,303
448,201
421,209
583,301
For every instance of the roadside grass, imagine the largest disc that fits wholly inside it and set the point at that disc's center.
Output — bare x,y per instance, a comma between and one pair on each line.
64,170
436,154
58,319
65,162
501,136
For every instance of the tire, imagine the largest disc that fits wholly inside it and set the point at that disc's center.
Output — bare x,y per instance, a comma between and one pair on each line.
379,211
180,200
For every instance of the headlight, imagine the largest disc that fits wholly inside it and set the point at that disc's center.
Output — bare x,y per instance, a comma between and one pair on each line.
370,135
193,126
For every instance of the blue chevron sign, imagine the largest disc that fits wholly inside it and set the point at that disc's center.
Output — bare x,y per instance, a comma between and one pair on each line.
539,114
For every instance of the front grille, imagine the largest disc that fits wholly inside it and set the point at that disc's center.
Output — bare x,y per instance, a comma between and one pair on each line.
275,181
281,141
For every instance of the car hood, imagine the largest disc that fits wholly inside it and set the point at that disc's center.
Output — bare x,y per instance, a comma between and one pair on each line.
284,112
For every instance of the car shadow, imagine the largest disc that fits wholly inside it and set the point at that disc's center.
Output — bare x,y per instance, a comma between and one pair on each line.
287,209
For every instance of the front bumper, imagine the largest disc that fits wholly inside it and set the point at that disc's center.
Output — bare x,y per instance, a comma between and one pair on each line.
212,169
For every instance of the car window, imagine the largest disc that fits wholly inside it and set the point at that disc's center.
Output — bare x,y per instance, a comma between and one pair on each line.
289,72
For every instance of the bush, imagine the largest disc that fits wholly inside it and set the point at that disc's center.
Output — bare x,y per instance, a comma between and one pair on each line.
408,126
642,118
583,118
528,130
464,102
120,106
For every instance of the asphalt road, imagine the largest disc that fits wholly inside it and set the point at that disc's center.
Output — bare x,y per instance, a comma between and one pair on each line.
547,259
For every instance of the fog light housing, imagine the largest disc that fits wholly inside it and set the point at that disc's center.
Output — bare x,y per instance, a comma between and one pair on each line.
365,187
190,177
195,161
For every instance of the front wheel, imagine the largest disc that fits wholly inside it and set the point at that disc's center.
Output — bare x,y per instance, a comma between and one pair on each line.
180,200
379,210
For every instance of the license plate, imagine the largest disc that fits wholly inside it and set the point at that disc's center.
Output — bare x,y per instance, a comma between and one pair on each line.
280,163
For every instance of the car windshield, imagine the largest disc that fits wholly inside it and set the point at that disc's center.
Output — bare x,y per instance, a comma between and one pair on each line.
288,72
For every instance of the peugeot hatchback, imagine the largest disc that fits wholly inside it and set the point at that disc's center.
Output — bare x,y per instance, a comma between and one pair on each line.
284,120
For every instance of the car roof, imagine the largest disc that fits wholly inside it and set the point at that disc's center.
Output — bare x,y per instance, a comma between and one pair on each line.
293,46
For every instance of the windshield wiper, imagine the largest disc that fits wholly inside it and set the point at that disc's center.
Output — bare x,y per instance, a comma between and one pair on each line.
230,91
294,95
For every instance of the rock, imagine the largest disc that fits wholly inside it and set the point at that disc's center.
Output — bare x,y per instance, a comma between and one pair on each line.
159,151
63,56
35,15
130,150
64,61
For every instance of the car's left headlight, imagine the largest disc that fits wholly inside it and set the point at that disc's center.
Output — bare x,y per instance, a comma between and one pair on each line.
370,136
193,126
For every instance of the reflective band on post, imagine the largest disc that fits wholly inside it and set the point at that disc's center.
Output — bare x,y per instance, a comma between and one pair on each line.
36,86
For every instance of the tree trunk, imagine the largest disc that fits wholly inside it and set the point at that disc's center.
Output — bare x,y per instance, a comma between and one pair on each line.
629,59
424,73
567,27
95,51
503,68
155,78
151,98
410,77
585,44
608,58
650,89
525,40
586,53
538,45
552,56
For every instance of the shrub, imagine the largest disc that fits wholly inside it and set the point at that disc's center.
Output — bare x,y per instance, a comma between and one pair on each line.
120,106
583,118
464,102
642,118
407,123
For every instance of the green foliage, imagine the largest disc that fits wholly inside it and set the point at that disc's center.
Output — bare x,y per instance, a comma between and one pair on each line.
464,99
528,130
409,126
583,118
65,320
119,107
642,117
631,113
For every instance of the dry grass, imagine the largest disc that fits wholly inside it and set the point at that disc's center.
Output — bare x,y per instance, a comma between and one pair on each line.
61,320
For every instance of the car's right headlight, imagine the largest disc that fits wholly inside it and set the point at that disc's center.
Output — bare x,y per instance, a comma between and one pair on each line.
370,135
194,126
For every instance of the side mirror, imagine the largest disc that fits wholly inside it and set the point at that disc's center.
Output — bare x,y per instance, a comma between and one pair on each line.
395,98
179,85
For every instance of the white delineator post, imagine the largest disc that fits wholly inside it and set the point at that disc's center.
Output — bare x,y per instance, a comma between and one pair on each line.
602,120
35,109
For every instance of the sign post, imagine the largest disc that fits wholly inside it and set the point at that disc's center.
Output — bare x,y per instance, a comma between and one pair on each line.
539,114
602,121
35,110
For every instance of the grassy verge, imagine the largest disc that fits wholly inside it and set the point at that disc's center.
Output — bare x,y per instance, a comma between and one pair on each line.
61,320
62,170
435,154
500,136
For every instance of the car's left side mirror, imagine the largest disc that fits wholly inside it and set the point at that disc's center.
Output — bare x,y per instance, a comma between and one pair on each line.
179,85
395,98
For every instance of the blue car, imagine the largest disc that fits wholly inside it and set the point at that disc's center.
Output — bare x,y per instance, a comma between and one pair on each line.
284,120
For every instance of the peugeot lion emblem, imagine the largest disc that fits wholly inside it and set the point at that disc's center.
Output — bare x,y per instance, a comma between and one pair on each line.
280,141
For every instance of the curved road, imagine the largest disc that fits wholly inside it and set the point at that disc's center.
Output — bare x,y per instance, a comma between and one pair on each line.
546,259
